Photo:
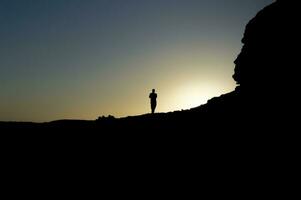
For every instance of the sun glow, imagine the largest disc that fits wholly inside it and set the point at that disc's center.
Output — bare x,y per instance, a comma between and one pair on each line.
191,95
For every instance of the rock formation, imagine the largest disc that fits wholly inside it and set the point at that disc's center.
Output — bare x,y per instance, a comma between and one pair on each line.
266,69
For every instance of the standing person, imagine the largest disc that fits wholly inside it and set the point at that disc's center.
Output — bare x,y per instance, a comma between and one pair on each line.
153,99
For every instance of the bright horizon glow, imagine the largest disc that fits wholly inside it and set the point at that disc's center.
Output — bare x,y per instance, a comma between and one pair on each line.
193,95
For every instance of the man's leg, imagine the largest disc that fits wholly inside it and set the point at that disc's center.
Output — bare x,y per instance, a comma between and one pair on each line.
153,108
154,105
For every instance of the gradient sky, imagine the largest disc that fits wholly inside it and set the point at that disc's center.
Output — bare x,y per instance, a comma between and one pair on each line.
80,59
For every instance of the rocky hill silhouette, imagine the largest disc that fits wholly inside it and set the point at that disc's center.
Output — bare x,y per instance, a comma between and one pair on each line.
265,97
239,143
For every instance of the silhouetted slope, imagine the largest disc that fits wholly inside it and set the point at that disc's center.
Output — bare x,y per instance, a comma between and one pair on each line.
239,141
266,75
265,71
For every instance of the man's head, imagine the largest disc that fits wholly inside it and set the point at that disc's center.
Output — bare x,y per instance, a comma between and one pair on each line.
153,90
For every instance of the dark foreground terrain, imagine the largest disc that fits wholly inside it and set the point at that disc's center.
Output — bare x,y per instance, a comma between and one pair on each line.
241,144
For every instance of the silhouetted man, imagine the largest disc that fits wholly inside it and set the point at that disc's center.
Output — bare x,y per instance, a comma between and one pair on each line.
153,98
